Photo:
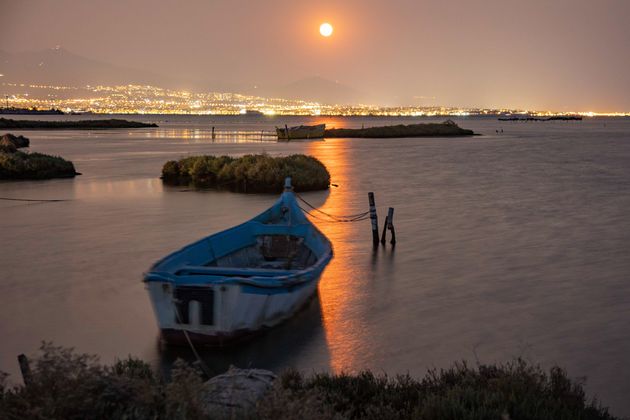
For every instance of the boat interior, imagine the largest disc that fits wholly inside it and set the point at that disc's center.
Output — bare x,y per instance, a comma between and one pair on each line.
270,255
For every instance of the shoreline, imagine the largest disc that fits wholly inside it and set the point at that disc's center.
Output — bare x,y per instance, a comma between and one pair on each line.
11,124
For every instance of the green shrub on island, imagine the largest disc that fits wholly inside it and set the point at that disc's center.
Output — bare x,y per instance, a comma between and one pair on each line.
446,129
19,165
250,173
7,147
66,385
16,141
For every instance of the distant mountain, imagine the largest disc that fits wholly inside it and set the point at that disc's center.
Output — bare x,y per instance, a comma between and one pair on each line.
58,66
319,90
61,67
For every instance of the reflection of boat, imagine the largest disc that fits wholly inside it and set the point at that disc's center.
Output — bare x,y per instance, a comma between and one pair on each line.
241,280
301,132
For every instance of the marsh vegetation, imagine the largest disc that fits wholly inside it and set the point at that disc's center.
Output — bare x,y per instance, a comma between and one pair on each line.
65,385
249,173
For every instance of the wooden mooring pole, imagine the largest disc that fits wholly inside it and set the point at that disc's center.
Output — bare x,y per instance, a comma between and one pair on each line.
390,225
25,369
384,235
373,218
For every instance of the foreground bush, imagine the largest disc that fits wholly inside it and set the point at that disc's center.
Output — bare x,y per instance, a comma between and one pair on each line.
18,165
512,391
65,385
250,173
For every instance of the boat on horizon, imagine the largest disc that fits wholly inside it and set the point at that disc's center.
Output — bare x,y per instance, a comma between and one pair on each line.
301,132
242,280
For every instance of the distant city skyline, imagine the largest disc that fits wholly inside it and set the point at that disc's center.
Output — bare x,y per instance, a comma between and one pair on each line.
146,99
562,55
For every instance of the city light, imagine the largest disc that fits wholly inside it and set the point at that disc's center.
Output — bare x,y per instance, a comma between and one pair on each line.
145,99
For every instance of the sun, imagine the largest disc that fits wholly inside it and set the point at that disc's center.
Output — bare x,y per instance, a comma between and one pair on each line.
326,29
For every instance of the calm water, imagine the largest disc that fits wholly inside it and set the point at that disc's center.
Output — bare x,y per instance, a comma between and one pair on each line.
512,244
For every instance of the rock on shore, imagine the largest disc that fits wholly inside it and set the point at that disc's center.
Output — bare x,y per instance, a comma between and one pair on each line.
235,393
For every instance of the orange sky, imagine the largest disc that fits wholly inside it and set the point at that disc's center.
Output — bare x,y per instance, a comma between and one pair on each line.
539,54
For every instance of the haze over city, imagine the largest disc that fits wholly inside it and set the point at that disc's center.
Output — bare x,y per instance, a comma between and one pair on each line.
561,55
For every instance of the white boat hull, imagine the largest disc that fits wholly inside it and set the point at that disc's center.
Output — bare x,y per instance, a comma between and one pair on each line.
238,311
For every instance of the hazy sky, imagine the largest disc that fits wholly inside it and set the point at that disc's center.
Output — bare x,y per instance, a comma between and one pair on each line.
552,54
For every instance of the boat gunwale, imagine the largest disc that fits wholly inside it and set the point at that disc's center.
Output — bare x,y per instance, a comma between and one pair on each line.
298,277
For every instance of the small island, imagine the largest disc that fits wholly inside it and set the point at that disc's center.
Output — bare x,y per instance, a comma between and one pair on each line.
446,129
552,118
31,111
16,165
250,173
9,124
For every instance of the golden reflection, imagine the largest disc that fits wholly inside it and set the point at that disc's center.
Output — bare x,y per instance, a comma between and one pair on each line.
341,286
124,188
205,135
332,122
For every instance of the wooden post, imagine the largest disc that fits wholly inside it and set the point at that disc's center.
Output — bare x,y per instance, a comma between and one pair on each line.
390,224
25,369
384,235
212,132
286,130
261,134
373,218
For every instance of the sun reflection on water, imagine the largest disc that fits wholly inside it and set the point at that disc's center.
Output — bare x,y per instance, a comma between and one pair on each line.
206,135
341,284
105,189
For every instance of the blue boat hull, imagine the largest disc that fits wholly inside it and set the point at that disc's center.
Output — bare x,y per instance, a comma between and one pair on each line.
239,281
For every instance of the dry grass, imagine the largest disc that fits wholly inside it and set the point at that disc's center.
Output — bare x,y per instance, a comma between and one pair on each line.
68,386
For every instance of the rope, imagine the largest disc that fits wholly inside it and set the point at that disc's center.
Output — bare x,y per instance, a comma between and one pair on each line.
192,347
333,218
357,219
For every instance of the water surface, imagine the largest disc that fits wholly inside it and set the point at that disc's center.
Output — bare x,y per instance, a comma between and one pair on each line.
509,244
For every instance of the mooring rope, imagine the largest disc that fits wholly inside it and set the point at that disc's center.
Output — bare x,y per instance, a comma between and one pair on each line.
358,219
332,217
200,361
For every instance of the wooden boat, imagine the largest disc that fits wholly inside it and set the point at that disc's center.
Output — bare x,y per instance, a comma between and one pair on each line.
242,280
301,132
